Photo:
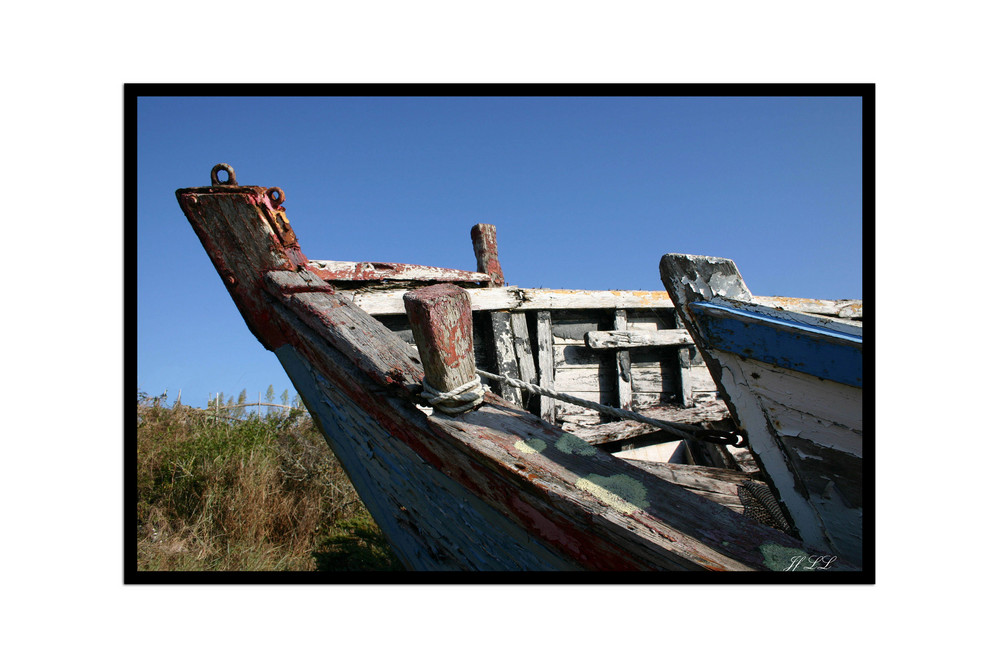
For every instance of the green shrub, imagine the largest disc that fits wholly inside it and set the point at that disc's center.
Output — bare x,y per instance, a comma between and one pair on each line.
253,494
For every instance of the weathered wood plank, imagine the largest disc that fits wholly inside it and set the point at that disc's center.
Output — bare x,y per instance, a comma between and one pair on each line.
701,380
643,379
718,480
701,414
614,340
843,308
664,452
506,357
803,405
624,364
576,355
390,301
522,348
337,271
546,364
684,380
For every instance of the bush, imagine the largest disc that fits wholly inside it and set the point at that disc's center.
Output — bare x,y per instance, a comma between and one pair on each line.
254,494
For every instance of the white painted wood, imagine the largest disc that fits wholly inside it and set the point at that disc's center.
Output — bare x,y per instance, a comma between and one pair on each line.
613,340
808,516
570,379
844,308
667,452
826,401
390,301
575,355
846,326
546,364
684,380
506,357
623,364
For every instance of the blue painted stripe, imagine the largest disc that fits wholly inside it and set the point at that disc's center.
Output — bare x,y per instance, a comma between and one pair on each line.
823,353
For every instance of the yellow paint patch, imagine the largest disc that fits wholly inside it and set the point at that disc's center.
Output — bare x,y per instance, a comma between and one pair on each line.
533,446
571,444
619,491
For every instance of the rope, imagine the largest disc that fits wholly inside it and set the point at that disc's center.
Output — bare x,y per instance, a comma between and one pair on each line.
674,428
456,401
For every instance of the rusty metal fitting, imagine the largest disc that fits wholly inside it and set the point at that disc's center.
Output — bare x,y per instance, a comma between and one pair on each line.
230,174
276,196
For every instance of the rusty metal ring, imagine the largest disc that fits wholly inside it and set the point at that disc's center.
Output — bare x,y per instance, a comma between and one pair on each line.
222,166
276,200
718,437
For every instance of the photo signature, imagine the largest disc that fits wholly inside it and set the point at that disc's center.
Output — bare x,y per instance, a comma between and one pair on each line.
810,563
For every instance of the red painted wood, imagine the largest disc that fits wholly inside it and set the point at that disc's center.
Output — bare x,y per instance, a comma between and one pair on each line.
484,243
441,319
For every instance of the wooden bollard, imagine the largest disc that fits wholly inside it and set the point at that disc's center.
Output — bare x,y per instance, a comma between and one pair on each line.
441,319
484,244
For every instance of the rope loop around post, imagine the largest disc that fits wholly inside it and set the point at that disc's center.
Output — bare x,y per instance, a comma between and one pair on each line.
458,400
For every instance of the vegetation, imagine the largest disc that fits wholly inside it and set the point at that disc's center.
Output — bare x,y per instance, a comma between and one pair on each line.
264,493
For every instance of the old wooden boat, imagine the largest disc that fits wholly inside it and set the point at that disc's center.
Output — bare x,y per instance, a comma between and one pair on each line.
386,358
794,383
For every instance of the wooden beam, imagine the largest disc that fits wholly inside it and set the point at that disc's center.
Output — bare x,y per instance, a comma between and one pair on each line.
844,308
704,413
337,271
390,301
546,364
613,340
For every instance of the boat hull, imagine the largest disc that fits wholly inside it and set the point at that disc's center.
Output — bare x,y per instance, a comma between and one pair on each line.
794,385
494,488
432,523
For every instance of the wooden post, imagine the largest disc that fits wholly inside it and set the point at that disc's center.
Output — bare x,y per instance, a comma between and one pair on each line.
546,365
506,356
684,393
441,319
623,365
484,244
522,347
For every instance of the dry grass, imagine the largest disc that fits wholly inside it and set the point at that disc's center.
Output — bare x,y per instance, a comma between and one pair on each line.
254,495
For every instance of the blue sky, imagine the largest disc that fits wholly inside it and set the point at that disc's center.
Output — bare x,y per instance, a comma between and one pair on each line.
586,193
